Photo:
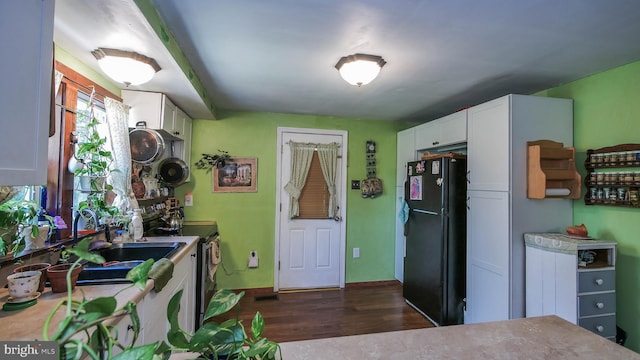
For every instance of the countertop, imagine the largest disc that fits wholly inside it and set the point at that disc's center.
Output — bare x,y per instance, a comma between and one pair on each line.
548,337
27,324
562,243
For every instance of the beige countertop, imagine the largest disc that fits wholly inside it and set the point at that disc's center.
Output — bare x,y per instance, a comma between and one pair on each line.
27,324
548,337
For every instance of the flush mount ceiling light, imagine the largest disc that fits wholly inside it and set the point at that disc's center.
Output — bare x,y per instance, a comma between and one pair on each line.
360,69
127,67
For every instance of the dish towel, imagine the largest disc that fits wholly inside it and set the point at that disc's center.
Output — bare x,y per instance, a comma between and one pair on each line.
161,272
214,258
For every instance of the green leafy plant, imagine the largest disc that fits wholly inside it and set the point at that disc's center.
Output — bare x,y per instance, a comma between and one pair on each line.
96,202
15,216
90,318
209,161
92,152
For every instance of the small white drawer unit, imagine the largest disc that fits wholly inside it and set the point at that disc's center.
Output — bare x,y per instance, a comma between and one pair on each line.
572,278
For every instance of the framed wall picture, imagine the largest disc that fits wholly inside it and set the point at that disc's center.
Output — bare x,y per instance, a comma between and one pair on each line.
238,175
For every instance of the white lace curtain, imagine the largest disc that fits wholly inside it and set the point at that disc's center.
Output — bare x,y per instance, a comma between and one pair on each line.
118,122
301,155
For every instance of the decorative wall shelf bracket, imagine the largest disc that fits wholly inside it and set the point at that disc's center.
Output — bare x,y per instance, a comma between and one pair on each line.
551,171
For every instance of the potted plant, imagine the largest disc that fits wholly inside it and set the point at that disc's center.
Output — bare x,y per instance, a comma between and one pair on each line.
89,317
209,161
95,159
19,220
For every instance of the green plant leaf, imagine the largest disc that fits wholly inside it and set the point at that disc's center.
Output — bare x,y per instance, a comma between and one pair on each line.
144,352
220,337
221,302
101,305
257,325
81,250
263,349
163,351
139,274
175,336
132,309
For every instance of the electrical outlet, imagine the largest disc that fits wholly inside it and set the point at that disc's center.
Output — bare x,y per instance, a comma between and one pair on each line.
355,184
356,253
253,259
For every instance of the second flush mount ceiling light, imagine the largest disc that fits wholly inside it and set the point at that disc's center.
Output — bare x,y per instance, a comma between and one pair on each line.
127,67
360,69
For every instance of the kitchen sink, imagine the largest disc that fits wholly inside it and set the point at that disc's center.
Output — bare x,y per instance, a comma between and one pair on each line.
120,258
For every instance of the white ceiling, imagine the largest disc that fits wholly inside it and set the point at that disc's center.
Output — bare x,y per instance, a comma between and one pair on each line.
279,56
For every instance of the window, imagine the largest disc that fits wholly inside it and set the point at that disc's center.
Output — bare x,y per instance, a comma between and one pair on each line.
314,197
82,118
71,99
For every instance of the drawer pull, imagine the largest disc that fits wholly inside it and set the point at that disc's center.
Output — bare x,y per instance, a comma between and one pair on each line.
599,328
600,305
599,282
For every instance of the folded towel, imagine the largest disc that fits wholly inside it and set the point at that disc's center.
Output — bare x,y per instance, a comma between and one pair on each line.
161,272
214,258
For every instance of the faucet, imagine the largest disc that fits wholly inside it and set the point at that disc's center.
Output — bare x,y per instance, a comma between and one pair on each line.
77,218
96,244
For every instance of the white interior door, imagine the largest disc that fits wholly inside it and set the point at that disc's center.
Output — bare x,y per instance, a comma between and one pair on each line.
309,252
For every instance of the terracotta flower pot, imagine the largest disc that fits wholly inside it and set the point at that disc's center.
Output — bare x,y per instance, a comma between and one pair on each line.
57,275
42,267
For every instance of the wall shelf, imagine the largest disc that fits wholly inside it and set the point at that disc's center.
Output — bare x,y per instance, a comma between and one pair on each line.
551,171
613,176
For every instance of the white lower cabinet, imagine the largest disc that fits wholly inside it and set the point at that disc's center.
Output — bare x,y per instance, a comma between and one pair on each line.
125,329
154,323
573,279
488,257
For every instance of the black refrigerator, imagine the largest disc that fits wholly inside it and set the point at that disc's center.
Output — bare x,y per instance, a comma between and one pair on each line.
435,256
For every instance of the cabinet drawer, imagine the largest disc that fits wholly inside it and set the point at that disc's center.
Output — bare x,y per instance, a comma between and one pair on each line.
597,304
591,281
601,325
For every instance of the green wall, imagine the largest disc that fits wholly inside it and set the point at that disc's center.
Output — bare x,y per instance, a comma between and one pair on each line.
606,113
246,221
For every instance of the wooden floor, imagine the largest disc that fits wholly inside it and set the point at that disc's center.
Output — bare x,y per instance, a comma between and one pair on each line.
327,313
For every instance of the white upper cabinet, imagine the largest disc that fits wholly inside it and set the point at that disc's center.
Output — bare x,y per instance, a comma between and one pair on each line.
406,151
156,110
26,65
445,131
488,146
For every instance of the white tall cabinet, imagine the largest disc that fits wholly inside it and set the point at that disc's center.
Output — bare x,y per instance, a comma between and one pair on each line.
26,34
499,212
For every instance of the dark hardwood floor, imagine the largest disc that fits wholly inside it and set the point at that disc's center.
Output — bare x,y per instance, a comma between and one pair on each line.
357,309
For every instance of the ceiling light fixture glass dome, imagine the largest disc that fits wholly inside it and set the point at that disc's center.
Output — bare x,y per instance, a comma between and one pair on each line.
127,67
360,69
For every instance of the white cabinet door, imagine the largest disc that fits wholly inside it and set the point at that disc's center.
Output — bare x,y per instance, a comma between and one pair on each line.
488,146
26,35
453,128
488,257
427,135
551,284
155,323
406,151
168,122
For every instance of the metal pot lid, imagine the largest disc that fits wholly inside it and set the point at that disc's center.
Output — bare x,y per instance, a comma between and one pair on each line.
146,145
173,171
